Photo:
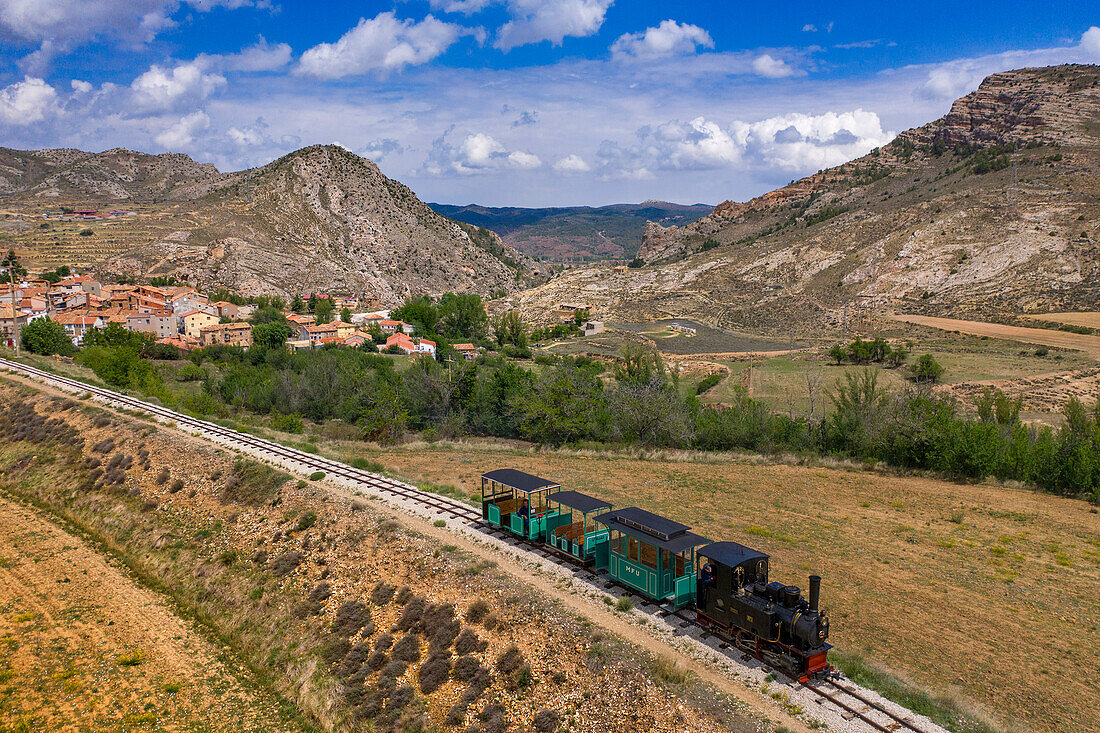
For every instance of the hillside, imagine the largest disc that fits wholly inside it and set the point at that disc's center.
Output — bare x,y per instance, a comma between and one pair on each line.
319,218
576,232
991,210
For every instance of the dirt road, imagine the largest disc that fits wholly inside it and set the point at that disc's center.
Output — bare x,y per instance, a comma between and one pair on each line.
86,648
1040,336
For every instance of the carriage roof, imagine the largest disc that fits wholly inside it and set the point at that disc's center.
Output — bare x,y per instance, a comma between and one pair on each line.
581,502
520,481
653,529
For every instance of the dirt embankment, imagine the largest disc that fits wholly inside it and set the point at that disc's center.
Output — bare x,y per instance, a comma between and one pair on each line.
1042,336
334,609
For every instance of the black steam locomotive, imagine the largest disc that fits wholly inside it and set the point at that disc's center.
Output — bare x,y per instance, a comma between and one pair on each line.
768,620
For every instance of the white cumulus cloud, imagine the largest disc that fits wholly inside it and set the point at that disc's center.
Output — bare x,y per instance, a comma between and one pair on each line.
768,66
183,132
572,163
797,142
381,43
28,101
477,153
160,88
261,56
669,38
533,21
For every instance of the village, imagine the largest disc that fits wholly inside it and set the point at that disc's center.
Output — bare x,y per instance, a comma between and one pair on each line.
183,317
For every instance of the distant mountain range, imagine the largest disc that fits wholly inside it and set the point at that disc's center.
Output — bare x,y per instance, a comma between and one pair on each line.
576,232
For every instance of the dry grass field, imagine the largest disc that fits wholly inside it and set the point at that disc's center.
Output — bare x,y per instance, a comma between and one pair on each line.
87,648
1058,339
983,593
1088,319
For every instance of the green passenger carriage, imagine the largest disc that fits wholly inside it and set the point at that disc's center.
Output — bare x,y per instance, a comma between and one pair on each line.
574,529
517,502
651,554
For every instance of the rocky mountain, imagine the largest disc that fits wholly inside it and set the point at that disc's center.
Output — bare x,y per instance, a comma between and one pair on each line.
992,210
572,233
320,218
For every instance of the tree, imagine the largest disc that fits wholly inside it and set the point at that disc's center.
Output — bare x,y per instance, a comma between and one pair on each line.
296,305
510,329
462,315
927,369
580,316
649,413
839,353
117,336
311,304
345,314
566,405
322,310
46,336
859,351
639,365
271,335
420,311
278,302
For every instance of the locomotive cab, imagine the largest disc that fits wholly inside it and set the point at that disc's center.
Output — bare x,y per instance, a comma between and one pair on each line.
769,619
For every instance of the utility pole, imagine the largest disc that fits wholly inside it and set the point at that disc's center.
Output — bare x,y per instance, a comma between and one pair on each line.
14,315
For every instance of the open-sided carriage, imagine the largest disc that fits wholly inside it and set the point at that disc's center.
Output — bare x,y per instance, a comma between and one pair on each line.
652,554
517,502
574,531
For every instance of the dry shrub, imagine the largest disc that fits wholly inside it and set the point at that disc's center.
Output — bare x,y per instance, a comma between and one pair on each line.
407,649
404,595
493,719
413,613
104,446
259,557
335,649
321,592
354,659
491,622
371,707
383,642
92,462
377,660
148,505
381,594
162,476
176,486
286,563
401,697
466,667
468,642
547,720
350,618
510,660
478,610
101,421
434,672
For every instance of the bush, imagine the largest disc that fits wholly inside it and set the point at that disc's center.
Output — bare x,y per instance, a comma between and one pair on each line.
175,487
86,232
434,672
364,465
927,369
466,667
191,373
381,594
252,483
407,649
316,475
350,618
286,563
547,721
287,423
510,660
468,642
707,383
307,520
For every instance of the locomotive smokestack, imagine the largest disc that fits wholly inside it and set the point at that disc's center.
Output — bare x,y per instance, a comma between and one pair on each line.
815,591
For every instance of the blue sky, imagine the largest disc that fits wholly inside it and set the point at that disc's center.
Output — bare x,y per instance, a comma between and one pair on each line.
515,102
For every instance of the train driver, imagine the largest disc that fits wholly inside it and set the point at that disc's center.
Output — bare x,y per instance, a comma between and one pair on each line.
707,579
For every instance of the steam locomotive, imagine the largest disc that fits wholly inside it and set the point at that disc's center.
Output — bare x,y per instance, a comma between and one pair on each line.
771,621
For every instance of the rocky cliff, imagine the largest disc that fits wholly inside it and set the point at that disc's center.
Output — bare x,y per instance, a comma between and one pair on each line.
993,209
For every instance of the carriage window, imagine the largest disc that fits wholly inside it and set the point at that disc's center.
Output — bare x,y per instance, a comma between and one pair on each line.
615,542
632,548
678,570
649,556
666,560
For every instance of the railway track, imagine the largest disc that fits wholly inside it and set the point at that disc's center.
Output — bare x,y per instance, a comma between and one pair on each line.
440,504
843,697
